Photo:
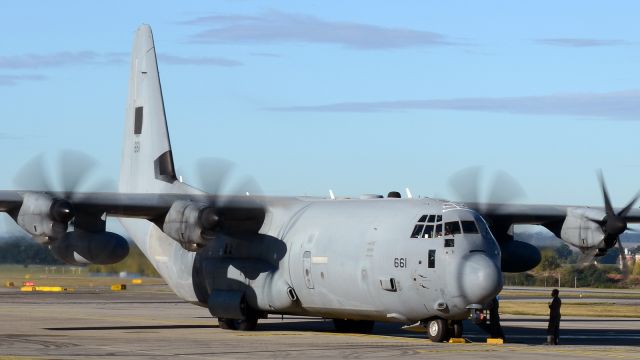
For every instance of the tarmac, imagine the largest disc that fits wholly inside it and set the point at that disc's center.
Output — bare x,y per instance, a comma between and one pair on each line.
151,323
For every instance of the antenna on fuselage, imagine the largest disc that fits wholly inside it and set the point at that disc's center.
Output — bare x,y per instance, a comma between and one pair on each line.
331,195
409,194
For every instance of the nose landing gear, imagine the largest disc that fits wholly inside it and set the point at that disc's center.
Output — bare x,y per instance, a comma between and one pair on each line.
441,330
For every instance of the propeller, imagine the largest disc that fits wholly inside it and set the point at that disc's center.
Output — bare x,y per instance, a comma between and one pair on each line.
613,224
214,176
233,199
504,188
71,174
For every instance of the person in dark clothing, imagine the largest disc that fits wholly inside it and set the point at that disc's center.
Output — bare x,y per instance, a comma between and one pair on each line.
494,317
553,330
493,327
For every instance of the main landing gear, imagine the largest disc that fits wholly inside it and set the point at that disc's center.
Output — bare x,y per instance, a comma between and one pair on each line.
441,330
248,323
234,313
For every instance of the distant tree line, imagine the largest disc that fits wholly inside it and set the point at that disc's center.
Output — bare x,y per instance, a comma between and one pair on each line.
561,265
23,250
134,263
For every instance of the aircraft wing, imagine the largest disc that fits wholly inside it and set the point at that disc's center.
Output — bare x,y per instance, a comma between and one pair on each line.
588,228
232,212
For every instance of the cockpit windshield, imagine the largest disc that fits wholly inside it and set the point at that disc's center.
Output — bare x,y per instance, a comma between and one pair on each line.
431,226
452,228
469,227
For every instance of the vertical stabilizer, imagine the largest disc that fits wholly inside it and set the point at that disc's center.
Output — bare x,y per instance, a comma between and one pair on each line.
147,165
147,162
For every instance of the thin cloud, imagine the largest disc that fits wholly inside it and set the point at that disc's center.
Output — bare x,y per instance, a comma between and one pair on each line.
615,105
276,26
200,61
59,59
13,80
580,42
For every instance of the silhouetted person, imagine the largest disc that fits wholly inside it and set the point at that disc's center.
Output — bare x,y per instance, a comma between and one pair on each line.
493,328
553,330
494,317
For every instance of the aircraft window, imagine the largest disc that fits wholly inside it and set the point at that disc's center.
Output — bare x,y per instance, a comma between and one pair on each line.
449,242
423,218
137,125
482,227
439,218
438,230
417,230
428,231
431,261
469,227
432,219
452,228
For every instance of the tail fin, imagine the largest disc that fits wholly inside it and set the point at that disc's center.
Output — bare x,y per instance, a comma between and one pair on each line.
147,162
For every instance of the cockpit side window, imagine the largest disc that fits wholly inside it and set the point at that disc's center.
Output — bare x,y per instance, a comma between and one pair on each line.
423,218
439,218
432,219
438,231
428,231
452,228
417,231
469,227
482,227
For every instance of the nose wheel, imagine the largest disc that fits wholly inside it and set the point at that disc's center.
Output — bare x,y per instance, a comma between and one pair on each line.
437,330
441,330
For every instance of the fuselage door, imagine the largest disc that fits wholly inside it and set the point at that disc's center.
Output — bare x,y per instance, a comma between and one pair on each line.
306,268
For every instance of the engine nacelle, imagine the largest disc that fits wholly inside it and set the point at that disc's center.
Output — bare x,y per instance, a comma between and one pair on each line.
187,221
81,247
581,228
519,256
45,218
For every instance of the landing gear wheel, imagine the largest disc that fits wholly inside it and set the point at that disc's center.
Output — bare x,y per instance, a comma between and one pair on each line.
249,323
353,326
437,330
455,330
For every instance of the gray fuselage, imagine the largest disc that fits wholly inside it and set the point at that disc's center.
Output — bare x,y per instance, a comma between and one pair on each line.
376,259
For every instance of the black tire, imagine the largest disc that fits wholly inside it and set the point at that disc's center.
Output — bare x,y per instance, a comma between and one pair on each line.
354,326
248,323
226,324
455,330
437,330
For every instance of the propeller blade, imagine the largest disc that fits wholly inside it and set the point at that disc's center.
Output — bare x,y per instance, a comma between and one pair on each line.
607,202
74,167
33,176
213,173
629,206
505,189
466,184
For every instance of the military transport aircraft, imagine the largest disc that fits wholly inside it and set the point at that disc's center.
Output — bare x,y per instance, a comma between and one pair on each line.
416,261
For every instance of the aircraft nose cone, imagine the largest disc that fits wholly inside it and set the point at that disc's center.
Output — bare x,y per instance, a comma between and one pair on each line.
481,279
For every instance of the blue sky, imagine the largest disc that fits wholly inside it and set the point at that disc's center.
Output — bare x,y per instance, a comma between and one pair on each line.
358,97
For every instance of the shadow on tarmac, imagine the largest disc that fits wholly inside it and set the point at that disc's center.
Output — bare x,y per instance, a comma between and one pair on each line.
514,334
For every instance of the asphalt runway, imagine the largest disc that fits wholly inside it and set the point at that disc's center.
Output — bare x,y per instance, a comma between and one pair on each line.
149,324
